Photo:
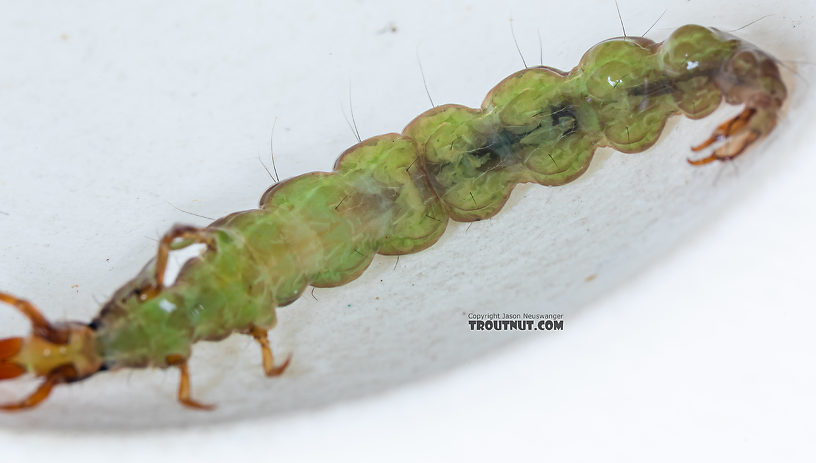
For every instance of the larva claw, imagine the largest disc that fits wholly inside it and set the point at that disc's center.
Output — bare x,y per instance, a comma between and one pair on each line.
190,403
736,134
39,325
278,370
702,161
41,393
262,336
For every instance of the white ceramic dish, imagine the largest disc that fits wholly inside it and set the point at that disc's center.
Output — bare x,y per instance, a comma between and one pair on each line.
691,334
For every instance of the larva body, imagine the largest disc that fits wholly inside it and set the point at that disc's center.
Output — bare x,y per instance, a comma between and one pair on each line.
394,194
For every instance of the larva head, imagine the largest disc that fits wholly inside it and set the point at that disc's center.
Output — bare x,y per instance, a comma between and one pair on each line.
62,352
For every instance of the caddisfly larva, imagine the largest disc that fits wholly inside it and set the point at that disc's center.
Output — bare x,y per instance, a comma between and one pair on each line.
394,194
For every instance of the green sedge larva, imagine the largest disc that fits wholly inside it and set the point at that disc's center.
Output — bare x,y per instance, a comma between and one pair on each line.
394,194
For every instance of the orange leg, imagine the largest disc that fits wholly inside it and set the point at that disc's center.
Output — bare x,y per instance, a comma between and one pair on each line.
184,384
736,128
262,336
57,376
197,235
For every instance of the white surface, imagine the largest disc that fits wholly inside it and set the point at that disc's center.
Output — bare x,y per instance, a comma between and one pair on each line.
695,341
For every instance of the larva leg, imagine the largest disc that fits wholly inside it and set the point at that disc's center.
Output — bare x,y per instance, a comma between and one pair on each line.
196,235
57,376
262,336
184,384
734,127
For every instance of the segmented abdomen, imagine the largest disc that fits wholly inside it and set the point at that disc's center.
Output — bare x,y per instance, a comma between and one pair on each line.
394,194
